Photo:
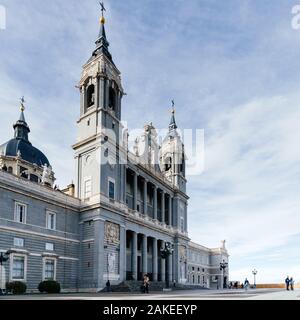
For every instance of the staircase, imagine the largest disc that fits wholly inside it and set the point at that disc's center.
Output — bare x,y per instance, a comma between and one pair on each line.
135,286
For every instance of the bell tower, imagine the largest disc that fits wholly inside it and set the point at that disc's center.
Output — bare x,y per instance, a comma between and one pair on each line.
172,157
99,124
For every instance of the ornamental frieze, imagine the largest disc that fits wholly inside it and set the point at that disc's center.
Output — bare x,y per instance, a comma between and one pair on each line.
112,233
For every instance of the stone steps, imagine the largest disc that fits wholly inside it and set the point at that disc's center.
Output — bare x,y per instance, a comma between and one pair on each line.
135,286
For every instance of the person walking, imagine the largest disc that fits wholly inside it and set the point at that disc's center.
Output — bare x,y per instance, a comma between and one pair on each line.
246,284
287,283
108,288
146,283
174,283
291,283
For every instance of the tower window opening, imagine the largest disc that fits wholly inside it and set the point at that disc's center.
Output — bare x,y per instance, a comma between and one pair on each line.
90,95
112,99
168,164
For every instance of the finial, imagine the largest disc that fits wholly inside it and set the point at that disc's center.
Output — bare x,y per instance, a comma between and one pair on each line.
102,19
173,106
22,100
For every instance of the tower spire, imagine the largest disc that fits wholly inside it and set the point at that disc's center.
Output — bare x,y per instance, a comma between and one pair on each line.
102,44
173,125
21,127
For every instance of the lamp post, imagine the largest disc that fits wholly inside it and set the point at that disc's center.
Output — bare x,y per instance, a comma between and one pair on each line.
165,253
254,272
3,258
223,266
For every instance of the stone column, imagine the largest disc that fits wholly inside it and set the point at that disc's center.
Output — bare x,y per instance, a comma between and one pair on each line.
96,92
125,184
170,269
135,179
134,255
170,210
144,255
122,258
82,101
162,206
154,259
99,233
155,202
145,197
163,264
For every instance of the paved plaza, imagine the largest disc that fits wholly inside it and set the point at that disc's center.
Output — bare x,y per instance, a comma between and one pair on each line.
259,294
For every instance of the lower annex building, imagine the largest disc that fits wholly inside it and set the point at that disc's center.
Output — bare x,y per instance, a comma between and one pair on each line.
124,211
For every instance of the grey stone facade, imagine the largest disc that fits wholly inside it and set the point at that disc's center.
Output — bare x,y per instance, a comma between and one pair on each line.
124,207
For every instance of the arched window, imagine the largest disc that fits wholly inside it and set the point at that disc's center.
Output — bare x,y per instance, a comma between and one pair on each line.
168,164
112,99
90,95
10,170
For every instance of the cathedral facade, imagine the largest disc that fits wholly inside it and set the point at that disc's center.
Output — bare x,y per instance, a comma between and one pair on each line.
126,213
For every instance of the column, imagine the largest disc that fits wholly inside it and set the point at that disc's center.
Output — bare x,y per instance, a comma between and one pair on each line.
122,258
170,269
145,197
135,178
144,255
154,259
163,264
101,92
162,206
99,254
125,184
155,202
134,255
170,210
82,102
97,92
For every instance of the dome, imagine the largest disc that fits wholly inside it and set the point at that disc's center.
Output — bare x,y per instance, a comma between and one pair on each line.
27,151
21,146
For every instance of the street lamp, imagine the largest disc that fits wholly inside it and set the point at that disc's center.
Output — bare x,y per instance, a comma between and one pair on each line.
223,266
254,272
3,258
165,253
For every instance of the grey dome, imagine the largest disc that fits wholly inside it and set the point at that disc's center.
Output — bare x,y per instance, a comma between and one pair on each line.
21,144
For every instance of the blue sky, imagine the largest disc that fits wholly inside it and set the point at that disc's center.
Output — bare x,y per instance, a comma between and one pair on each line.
233,69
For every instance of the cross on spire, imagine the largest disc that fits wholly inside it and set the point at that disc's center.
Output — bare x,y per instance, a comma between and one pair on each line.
22,100
102,7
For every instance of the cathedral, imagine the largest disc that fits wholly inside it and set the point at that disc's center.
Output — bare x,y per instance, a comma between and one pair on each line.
124,216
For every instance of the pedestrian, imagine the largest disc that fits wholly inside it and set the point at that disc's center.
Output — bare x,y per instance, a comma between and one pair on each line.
287,283
291,283
174,283
246,284
146,283
108,288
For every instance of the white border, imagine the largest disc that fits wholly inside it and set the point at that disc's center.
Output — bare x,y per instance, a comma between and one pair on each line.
11,258
25,213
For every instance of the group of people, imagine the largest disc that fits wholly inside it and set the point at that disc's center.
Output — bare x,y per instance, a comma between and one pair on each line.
289,283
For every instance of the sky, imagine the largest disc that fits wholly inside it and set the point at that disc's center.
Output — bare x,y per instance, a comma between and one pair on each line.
232,68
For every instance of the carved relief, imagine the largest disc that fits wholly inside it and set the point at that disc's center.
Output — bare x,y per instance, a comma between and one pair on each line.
112,233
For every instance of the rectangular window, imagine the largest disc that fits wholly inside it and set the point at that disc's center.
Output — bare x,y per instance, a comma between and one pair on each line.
49,246
49,269
87,189
111,189
51,220
18,242
20,212
18,268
